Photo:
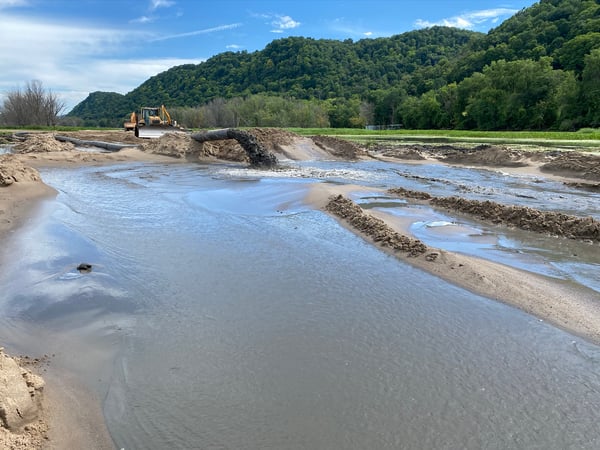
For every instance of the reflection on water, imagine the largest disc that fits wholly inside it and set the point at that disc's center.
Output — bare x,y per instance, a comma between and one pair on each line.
238,317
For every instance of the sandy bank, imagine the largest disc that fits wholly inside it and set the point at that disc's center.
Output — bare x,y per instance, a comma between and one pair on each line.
17,201
572,308
54,413
23,422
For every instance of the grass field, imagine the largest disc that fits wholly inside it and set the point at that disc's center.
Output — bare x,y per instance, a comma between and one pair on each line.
585,138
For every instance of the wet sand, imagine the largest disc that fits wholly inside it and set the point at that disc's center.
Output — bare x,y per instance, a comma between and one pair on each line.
18,201
75,417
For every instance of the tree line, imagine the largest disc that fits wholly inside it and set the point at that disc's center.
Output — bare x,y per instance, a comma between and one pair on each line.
507,95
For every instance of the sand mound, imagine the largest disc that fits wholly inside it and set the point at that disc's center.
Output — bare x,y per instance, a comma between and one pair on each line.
127,137
489,155
373,227
574,164
525,218
177,145
340,148
273,138
13,171
21,424
181,145
406,152
41,143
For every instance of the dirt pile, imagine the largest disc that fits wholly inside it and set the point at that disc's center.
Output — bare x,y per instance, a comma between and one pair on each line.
489,155
563,163
42,143
21,424
273,138
410,153
373,227
407,193
177,145
6,138
339,148
548,222
525,218
594,187
14,171
239,146
575,164
125,137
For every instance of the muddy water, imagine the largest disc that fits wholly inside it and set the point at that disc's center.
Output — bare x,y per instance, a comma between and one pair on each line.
223,312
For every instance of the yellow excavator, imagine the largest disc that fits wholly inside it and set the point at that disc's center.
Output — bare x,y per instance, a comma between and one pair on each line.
151,122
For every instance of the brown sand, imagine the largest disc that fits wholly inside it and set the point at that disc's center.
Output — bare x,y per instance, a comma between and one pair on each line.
71,416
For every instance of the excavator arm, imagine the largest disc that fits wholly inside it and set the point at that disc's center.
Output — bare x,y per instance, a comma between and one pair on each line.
166,115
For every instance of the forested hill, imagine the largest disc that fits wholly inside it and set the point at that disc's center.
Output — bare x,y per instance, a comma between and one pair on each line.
565,30
297,67
435,77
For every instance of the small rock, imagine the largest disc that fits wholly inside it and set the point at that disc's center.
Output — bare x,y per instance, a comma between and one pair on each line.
84,268
432,256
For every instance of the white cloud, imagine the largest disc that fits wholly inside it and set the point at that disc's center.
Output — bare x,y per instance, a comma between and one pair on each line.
282,23
197,32
470,20
341,26
155,4
73,60
142,19
279,22
13,3
234,46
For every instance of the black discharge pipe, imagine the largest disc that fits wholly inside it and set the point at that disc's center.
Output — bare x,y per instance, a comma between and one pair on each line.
258,155
100,144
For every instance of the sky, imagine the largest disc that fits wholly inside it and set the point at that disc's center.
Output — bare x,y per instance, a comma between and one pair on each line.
75,47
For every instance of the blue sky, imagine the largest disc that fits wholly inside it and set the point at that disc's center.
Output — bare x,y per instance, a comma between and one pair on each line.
75,47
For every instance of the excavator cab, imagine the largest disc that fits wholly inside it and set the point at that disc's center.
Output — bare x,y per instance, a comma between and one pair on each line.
153,122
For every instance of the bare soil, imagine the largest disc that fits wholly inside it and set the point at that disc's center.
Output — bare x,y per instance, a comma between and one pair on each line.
558,162
525,218
23,425
13,171
339,147
373,227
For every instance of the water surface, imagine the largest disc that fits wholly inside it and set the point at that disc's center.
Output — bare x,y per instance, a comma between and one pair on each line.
224,312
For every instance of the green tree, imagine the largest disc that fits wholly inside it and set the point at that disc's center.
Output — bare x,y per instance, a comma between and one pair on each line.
590,88
568,104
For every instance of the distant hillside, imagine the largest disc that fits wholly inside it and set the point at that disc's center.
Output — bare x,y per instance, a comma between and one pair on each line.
565,30
101,108
297,67
423,78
